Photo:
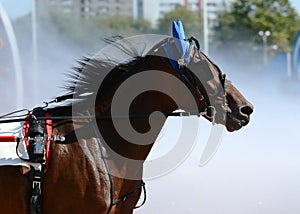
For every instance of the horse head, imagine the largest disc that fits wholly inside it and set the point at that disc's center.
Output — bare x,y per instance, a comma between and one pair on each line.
218,100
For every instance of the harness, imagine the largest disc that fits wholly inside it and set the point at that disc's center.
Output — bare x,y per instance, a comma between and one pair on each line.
37,136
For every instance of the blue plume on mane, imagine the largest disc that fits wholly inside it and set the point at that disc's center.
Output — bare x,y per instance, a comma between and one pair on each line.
178,30
181,44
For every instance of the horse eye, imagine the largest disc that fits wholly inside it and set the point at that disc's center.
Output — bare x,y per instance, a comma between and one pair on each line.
197,57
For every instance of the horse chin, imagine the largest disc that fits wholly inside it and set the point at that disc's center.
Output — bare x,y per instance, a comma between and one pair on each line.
234,123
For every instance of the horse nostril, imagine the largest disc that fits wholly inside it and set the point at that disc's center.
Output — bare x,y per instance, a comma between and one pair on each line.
247,110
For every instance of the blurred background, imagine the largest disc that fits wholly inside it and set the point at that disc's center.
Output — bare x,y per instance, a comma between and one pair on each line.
256,43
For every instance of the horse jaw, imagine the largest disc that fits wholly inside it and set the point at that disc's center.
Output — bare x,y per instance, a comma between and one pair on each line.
240,107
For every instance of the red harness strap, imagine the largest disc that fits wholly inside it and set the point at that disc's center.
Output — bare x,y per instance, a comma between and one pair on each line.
8,139
25,134
49,134
26,130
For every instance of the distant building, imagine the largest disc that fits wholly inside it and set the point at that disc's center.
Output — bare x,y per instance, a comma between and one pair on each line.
87,8
152,10
216,6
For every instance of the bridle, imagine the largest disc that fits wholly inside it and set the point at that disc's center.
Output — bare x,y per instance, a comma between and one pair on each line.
190,79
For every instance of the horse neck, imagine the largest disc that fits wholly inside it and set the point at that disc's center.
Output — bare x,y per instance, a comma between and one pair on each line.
128,139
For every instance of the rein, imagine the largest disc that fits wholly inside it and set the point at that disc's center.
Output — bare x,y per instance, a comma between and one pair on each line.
102,117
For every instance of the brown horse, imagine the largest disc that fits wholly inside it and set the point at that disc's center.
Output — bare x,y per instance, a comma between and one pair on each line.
110,119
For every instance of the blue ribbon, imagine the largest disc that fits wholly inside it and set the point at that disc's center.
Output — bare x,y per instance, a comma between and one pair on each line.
181,44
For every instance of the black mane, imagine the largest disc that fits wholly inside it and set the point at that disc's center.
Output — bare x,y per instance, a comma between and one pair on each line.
114,68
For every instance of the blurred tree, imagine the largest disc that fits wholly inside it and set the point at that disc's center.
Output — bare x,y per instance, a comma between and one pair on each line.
192,22
74,30
85,33
126,26
91,31
240,25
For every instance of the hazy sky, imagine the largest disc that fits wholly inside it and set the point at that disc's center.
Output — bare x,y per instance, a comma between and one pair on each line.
20,7
296,4
17,8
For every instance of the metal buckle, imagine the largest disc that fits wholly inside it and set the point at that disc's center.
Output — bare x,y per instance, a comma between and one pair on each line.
181,62
36,184
212,113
